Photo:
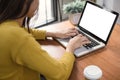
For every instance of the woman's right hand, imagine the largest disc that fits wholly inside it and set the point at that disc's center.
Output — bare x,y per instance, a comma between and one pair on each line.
76,42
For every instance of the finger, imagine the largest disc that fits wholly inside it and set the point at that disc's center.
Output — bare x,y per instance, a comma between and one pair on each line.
86,41
72,30
72,34
79,35
76,28
77,32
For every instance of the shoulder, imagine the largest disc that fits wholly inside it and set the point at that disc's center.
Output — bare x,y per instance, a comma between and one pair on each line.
11,32
12,28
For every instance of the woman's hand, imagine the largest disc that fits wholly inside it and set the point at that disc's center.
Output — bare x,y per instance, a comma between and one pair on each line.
66,33
76,42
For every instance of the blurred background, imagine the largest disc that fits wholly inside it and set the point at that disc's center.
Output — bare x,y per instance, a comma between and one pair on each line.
51,11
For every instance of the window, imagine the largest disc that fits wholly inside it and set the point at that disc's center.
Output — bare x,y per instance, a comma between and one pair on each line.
46,13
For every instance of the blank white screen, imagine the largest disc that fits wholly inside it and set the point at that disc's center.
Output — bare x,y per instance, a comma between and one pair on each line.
97,21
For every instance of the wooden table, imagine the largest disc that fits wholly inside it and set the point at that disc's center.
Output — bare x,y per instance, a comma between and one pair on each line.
108,58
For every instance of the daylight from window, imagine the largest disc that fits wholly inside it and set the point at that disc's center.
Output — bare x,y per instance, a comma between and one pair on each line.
44,15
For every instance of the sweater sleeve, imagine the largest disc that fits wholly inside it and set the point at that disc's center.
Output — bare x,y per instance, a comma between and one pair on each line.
38,34
34,57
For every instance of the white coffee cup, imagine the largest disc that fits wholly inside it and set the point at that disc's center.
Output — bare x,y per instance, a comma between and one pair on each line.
92,72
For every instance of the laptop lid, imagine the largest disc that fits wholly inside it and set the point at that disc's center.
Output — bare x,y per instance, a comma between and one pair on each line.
97,21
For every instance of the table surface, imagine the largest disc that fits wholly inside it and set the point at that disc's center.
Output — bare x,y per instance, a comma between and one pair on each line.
108,58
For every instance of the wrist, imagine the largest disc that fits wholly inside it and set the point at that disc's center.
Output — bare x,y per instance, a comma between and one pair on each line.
70,49
50,34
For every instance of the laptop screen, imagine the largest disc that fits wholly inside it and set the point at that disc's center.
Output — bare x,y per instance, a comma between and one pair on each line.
97,21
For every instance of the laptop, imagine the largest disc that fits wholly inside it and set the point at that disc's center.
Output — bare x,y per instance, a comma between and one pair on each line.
96,23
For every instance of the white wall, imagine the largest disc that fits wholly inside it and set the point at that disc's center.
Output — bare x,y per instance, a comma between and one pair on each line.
116,7
100,2
111,4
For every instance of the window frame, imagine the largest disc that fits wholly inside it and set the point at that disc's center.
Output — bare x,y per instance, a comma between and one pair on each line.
55,13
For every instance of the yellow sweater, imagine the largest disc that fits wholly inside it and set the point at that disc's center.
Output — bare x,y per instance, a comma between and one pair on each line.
22,58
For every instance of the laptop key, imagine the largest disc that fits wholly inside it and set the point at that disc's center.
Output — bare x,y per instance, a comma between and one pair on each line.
86,46
91,45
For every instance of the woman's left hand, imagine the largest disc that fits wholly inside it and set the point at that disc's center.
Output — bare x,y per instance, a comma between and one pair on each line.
66,33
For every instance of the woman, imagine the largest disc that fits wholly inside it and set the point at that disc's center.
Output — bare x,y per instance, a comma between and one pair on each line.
21,57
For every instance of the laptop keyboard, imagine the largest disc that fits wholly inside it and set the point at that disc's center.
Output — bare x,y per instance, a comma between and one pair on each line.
92,44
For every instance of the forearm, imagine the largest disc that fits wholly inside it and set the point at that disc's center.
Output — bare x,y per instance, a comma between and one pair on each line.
62,33
69,48
50,34
58,69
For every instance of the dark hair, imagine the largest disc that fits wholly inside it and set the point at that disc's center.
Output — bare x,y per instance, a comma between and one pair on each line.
13,9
